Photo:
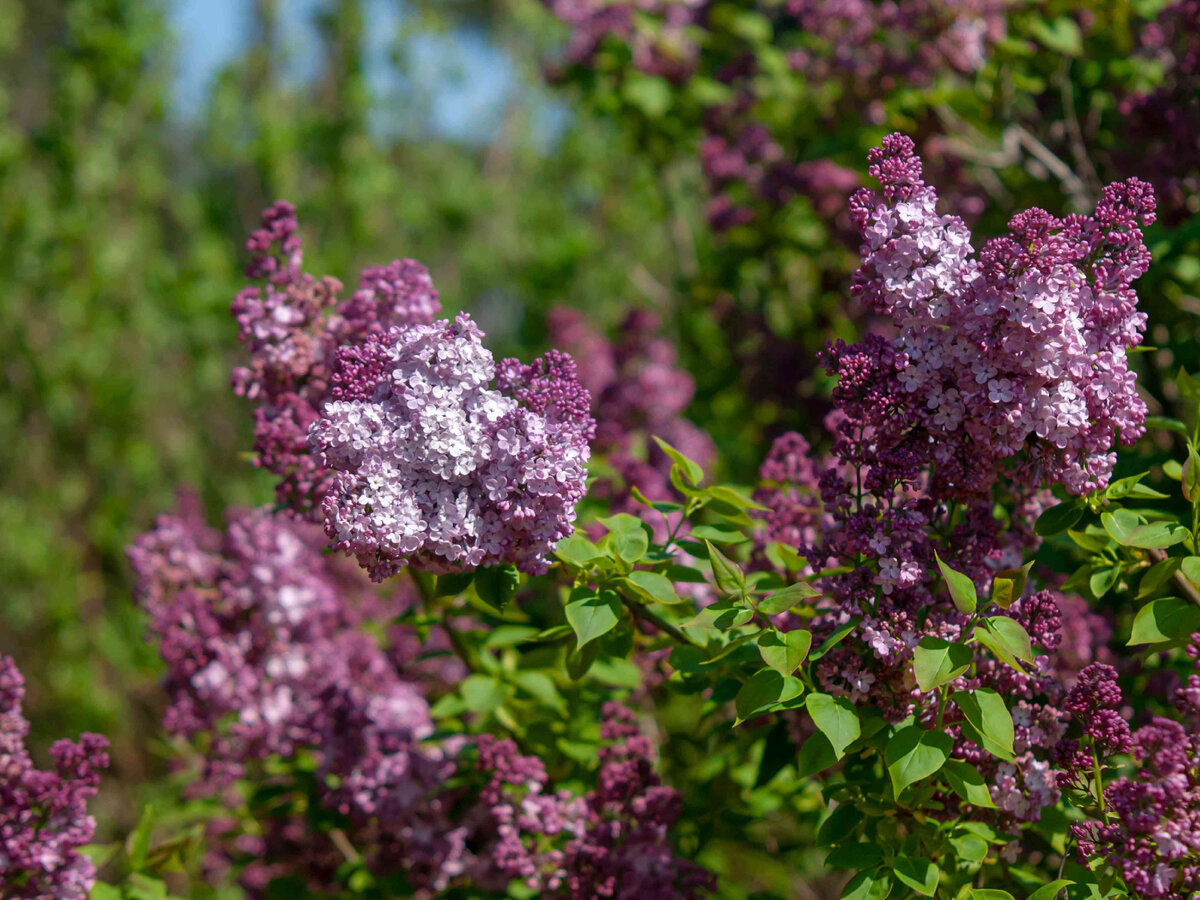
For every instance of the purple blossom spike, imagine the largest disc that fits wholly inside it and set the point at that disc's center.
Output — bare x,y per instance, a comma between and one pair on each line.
43,814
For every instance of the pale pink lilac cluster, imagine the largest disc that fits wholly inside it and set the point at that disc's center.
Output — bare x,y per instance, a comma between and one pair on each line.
435,467
611,842
1017,353
638,392
44,821
292,324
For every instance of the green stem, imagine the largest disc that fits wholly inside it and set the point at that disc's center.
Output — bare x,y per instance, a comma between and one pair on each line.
646,615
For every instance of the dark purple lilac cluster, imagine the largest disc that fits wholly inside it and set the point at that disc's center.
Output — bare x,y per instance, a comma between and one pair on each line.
611,842
43,813
292,325
1167,118
1147,825
638,392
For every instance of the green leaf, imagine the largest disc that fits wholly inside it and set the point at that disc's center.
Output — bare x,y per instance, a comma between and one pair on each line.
728,495
833,640
937,661
1009,584
1048,891
728,575
102,891
962,588
650,94
989,894
836,718
988,721
654,587
1165,619
913,753
871,884
574,549
483,693
969,846
1101,581
1058,519
840,824
627,536
786,557
778,751
580,661
784,651
689,467
1007,639
919,874
1062,35
496,585
1132,487
733,645
1189,475
454,583
143,887
1120,524
721,615
1189,565
591,615
1162,572
964,779
1166,424
138,843
718,535
816,755
764,689
783,600
541,686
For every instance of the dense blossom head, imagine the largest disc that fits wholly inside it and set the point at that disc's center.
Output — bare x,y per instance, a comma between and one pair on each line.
438,468
1017,353
292,325
43,813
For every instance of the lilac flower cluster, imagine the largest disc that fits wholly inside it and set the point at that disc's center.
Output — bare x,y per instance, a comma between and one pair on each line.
384,420
438,469
612,842
292,324
666,50
638,391
1148,824
1019,353
268,655
43,814
265,654
933,425
1167,119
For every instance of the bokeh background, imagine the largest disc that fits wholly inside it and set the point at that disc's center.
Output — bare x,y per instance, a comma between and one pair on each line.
139,140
